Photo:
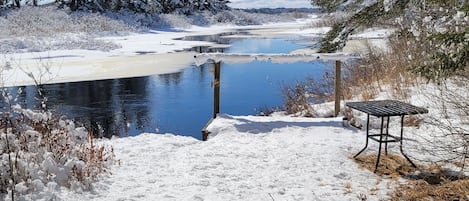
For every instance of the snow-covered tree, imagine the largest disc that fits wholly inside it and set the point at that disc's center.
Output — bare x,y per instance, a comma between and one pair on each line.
327,5
151,6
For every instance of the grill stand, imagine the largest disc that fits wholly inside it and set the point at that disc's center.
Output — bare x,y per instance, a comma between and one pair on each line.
387,138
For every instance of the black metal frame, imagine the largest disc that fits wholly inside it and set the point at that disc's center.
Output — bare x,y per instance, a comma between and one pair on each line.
385,109
380,140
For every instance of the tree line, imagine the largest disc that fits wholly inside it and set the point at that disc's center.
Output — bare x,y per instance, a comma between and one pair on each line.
186,7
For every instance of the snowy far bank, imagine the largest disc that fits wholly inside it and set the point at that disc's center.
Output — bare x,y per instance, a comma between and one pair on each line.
154,52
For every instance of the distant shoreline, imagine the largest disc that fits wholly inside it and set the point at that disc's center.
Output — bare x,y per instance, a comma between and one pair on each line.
161,56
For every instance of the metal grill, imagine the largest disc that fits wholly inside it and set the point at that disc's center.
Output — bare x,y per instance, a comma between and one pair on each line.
386,108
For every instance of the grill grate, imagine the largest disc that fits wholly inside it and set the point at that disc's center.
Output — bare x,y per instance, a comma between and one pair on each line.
383,108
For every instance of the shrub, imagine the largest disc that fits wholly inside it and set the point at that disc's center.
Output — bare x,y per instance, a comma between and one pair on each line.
295,100
381,70
448,140
224,17
298,98
31,29
50,21
39,151
176,21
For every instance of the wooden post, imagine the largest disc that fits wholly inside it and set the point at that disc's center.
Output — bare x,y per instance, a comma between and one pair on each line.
337,87
216,89
216,98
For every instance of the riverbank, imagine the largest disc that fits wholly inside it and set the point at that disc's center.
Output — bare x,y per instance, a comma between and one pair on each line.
140,54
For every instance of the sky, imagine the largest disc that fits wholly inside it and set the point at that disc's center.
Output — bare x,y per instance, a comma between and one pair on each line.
270,3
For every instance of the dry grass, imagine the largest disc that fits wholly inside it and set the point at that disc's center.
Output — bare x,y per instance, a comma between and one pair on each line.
392,165
382,70
348,187
421,190
432,183
413,121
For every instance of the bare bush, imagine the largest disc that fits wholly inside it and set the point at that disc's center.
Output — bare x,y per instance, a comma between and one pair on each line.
382,70
299,97
449,141
295,100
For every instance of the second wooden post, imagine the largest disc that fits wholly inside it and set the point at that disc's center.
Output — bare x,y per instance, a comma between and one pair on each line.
216,89
337,87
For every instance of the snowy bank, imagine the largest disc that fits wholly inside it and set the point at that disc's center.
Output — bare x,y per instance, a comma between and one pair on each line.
248,158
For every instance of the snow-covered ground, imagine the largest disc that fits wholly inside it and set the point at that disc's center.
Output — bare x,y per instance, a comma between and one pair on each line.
248,158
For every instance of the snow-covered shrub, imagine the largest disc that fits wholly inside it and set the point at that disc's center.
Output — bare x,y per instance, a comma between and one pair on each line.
98,23
176,21
37,21
32,29
40,153
139,21
224,17
245,18
68,41
50,21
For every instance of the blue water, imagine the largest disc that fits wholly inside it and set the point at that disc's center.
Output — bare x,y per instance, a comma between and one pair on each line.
266,45
179,103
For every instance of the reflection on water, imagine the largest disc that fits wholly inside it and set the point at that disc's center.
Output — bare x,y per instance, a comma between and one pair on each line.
267,45
216,38
179,103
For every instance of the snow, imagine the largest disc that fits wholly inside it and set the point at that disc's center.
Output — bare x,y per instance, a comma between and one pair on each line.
246,158
373,33
274,58
270,4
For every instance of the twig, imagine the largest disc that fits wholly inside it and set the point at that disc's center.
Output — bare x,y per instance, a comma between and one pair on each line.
271,197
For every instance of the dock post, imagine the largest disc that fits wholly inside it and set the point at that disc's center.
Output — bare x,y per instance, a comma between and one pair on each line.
216,98
216,89
337,87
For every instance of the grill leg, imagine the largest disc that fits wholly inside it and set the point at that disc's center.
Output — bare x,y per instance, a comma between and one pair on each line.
367,135
386,138
400,146
380,142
